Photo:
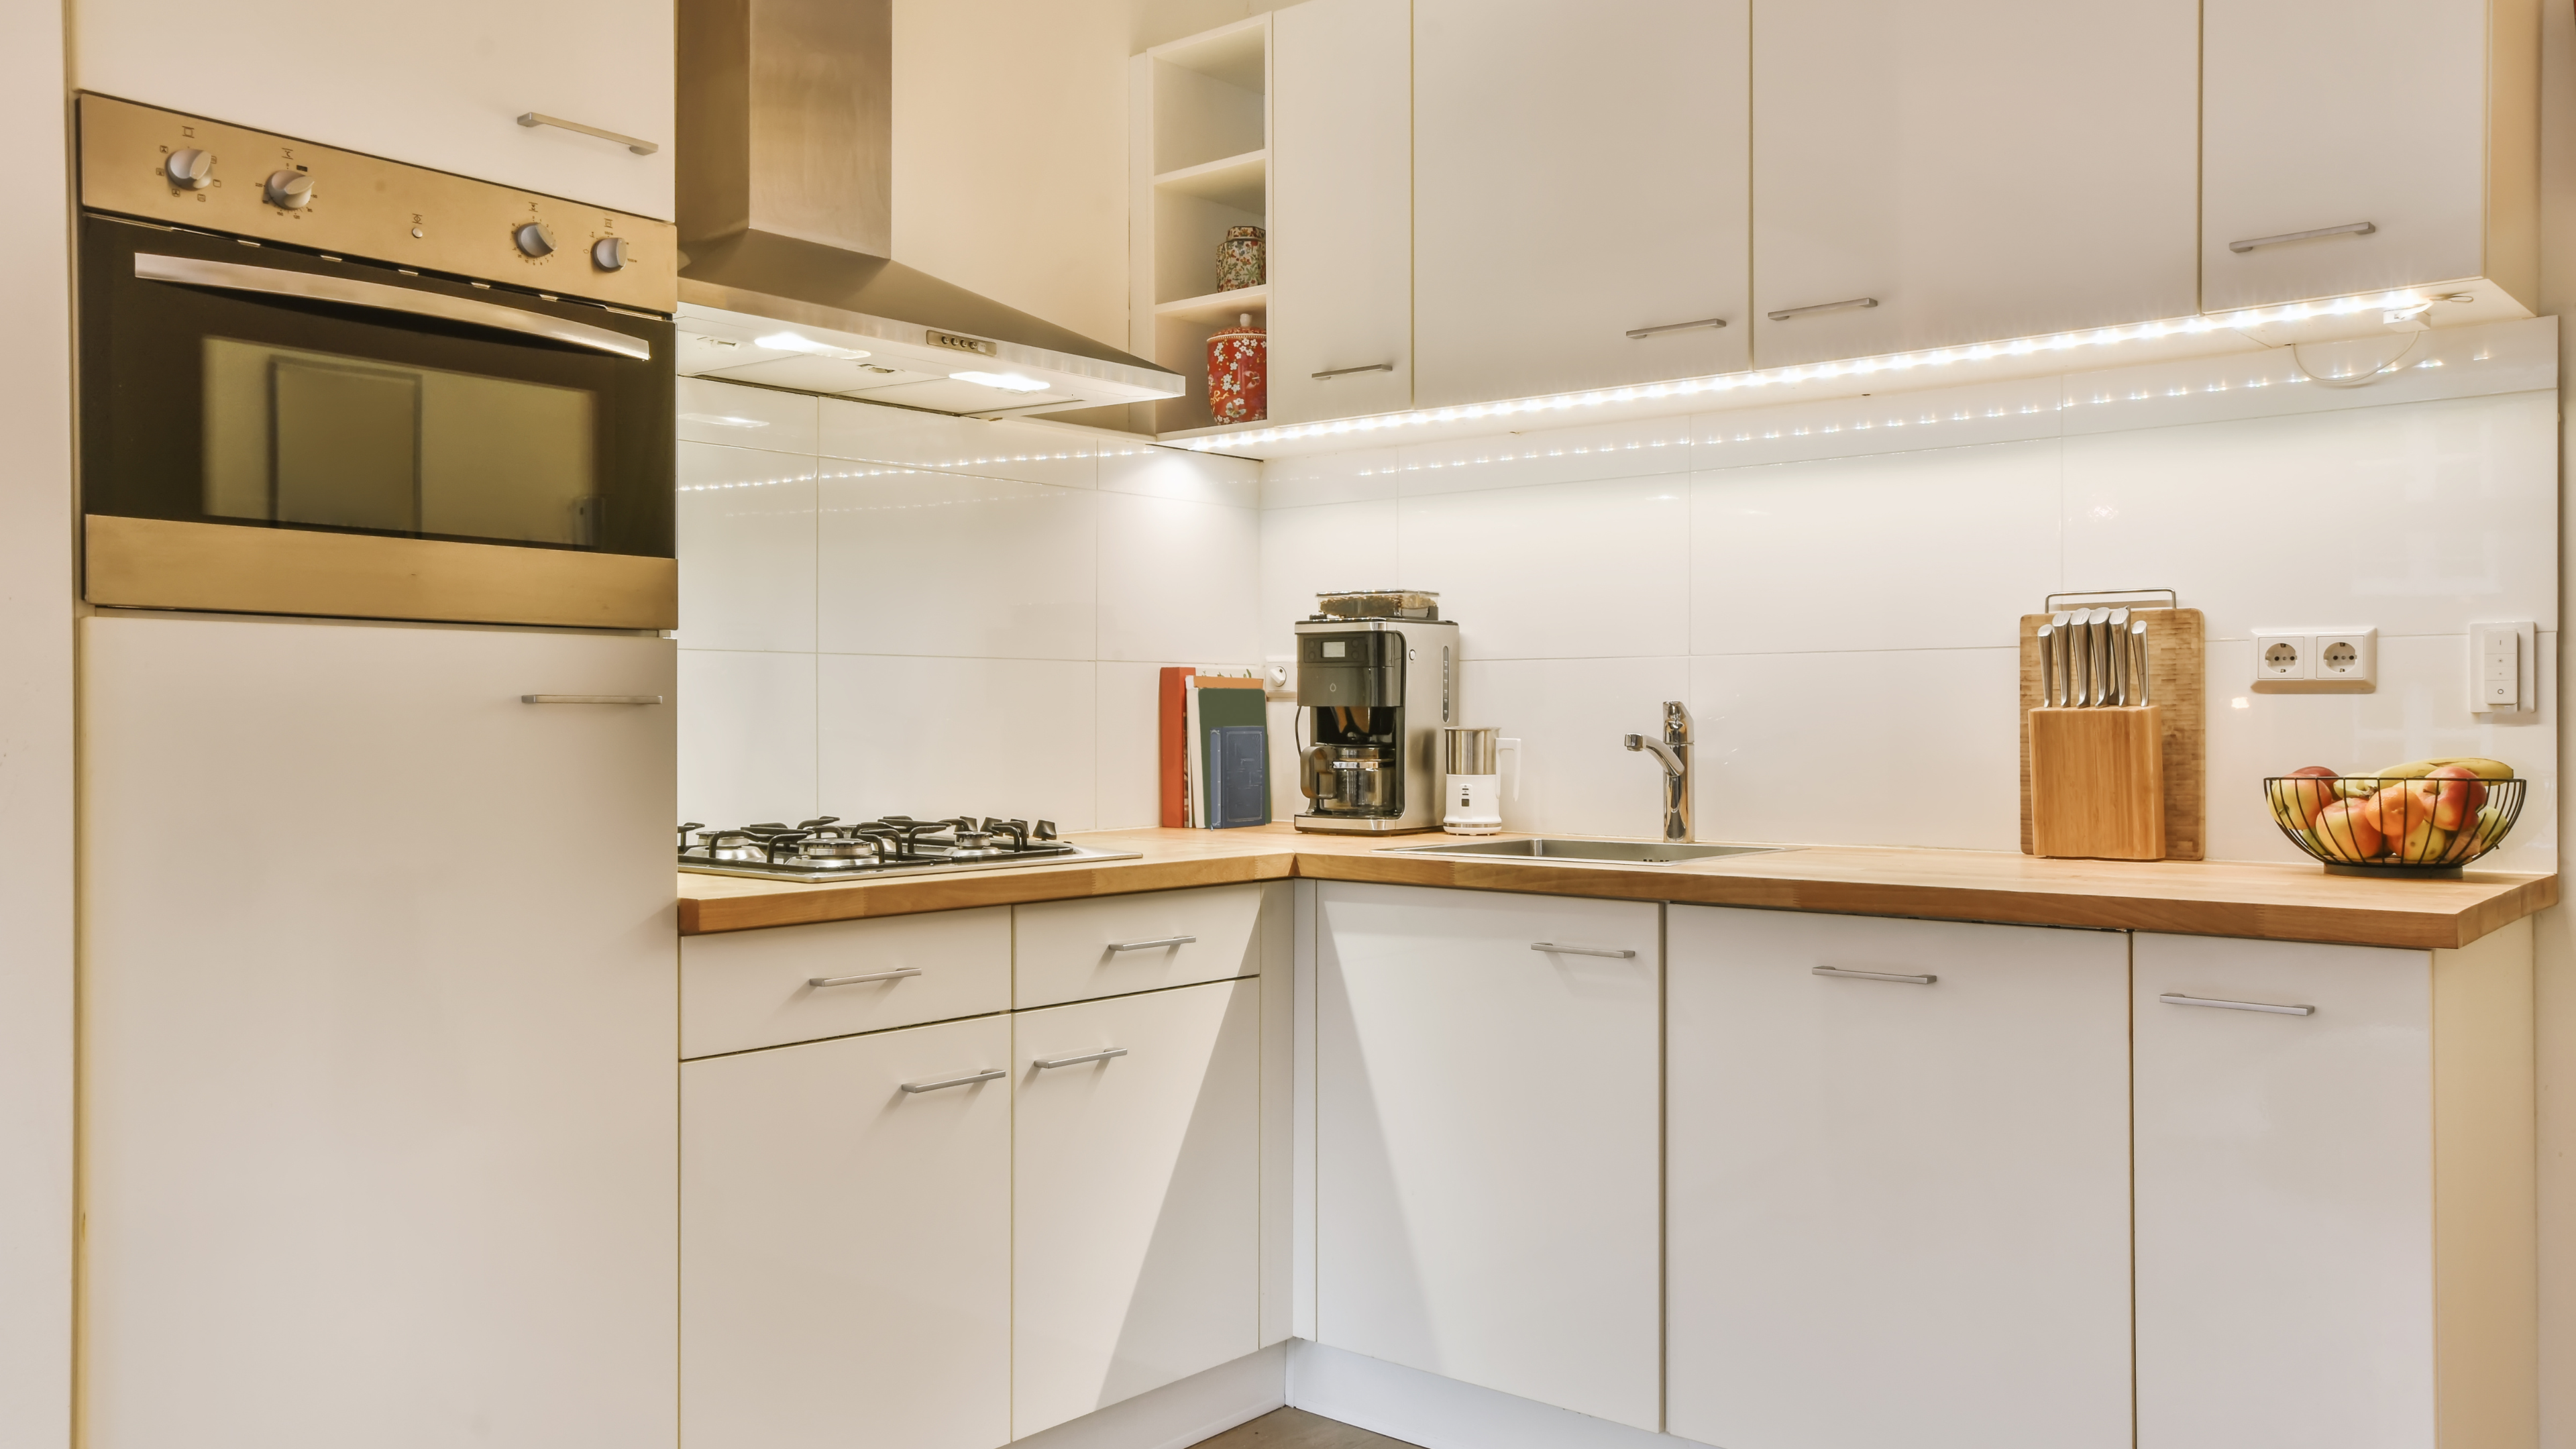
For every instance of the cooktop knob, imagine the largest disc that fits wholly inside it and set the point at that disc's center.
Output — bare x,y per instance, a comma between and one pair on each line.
292,190
608,253
190,170
535,238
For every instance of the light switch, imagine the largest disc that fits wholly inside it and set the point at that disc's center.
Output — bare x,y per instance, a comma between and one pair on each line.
2503,665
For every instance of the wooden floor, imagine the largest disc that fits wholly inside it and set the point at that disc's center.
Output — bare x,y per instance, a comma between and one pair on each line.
1297,1429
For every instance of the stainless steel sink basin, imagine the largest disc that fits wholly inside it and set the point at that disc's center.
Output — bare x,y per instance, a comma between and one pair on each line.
1629,852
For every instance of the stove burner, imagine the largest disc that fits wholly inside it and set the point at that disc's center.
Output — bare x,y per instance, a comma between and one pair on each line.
829,848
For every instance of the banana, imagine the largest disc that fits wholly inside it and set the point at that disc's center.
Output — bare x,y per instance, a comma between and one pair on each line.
2483,768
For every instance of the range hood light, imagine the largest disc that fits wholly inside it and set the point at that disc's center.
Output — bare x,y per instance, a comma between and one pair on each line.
796,342
1006,381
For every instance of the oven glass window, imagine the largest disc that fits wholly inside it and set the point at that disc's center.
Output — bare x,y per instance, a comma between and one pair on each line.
312,438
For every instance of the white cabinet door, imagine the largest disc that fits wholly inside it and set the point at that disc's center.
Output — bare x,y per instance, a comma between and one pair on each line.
1487,1143
1578,173
378,1018
441,88
1980,169
1341,188
1899,1208
2327,113
2285,1197
1136,1196
845,1244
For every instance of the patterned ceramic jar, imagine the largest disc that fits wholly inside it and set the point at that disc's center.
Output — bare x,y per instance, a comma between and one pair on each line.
1238,258
1239,373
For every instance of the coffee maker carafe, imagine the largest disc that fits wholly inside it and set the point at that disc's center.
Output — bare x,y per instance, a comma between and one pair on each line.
1376,681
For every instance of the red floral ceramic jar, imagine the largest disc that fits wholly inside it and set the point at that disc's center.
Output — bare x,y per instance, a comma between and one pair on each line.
1239,373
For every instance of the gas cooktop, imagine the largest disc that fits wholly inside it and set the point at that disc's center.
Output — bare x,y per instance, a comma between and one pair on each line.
827,848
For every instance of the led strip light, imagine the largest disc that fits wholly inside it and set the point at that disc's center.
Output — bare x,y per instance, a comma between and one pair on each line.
2397,306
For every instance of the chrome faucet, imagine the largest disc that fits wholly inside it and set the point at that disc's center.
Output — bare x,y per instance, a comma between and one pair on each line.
1673,753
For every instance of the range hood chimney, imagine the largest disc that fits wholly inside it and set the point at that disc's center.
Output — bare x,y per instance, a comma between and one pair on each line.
786,203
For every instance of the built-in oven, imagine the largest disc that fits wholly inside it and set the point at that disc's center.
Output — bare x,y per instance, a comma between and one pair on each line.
319,383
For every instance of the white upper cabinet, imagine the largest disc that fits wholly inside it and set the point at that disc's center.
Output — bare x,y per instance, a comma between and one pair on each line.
1578,175
1341,271
1931,172
2414,118
442,87
1899,1194
1487,1105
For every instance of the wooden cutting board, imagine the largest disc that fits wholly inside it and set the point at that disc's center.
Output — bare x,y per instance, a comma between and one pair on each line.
2177,682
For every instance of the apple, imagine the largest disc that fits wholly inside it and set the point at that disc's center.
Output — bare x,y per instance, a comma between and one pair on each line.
2297,799
2346,831
2425,844
2398,809
2456,802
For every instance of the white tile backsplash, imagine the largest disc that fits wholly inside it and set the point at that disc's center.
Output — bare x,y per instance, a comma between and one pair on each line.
746,737
1307,551
745,417
913,562
1566,571
1574,775
982,736
1173,473
745,522
1172,582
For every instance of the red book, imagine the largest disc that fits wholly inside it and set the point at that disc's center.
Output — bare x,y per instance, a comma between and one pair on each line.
1173,712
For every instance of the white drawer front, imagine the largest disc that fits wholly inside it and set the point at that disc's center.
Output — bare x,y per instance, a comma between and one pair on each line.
746,989
1112,945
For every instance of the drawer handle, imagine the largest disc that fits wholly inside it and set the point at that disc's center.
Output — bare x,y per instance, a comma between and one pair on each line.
856,980
636,144
1044,1063
1876,975
1642,333
1155,944
1812,308
1553,949
2350,228
968,1080
590,699
2171,998
1330,373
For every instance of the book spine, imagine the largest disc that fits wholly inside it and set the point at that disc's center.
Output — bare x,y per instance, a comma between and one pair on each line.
1171,760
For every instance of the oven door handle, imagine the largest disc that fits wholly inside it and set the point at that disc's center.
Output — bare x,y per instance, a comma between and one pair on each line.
350,292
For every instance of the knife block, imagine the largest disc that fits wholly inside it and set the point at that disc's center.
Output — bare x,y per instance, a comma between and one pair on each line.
2178,682
2097,783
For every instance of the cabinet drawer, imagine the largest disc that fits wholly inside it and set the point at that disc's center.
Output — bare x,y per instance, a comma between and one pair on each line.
747,989
1112,945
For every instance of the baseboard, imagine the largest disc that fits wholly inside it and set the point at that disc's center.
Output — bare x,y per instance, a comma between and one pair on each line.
1178,1415
1438,1413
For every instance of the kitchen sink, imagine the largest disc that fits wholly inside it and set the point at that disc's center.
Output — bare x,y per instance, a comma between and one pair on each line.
1632,852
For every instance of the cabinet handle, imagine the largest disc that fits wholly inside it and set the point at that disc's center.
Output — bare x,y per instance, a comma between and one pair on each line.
635,144
1854,304
968,1080
1043,1063
2175,999
1645,332
1554,949
2350,228
1347,371
590,699
1155,944
855,980
1876,975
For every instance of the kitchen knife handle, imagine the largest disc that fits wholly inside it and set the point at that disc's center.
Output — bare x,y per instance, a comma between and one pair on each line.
2047,666
2138,665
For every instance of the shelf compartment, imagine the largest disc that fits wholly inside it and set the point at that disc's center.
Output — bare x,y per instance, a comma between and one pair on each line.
1240,182
1218,307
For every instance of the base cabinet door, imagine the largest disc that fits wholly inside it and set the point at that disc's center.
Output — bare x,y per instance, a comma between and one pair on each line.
845,1243
1486,1171
1899,1183
1136,1195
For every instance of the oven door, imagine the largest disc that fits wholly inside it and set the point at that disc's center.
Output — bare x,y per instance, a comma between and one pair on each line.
271,431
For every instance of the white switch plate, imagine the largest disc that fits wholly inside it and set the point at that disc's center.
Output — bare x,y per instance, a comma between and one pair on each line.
2504,668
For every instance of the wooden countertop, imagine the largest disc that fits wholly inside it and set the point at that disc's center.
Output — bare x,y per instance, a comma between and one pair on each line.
2201,898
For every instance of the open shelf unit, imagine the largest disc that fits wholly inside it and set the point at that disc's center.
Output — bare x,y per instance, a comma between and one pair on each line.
1200,137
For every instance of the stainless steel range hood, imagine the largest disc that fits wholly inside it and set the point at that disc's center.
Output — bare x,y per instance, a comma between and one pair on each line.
787,220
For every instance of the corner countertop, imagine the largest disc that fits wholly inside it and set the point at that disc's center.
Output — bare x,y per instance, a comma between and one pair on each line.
2200,898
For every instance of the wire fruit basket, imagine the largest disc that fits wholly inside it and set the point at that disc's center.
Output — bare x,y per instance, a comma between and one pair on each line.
2373,825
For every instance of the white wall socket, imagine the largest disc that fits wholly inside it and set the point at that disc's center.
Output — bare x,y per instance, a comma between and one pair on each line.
2316,661
2281,656
2504,668
2349,655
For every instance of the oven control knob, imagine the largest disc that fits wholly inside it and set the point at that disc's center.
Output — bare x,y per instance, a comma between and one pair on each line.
292,190
608,253
190,170
536,239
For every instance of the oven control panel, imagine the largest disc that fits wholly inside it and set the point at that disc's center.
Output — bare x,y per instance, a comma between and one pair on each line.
163,166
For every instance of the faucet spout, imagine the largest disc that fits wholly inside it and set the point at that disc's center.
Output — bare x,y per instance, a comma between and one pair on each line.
1662,752
1673,753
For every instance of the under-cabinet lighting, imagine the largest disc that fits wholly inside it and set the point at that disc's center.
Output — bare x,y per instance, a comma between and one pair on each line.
1006,381
798,342
722,420
2396,306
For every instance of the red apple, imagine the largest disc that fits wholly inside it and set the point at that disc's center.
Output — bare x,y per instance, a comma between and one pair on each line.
2456,802
2346,830
2304,800
2398,809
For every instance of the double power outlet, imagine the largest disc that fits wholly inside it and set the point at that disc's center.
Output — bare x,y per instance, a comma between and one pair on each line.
2504,667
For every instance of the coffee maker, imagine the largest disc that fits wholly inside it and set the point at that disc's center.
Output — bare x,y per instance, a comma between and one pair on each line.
1377,673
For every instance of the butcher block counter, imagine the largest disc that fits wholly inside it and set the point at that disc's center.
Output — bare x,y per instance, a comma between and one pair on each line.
2202,898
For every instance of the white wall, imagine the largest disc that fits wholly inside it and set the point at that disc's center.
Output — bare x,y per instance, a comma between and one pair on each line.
885,611
1834,586
35,740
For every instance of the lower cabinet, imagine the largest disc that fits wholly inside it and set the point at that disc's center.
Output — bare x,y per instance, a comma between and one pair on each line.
845,1243
1899,1183
1487,1148
1135,1195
